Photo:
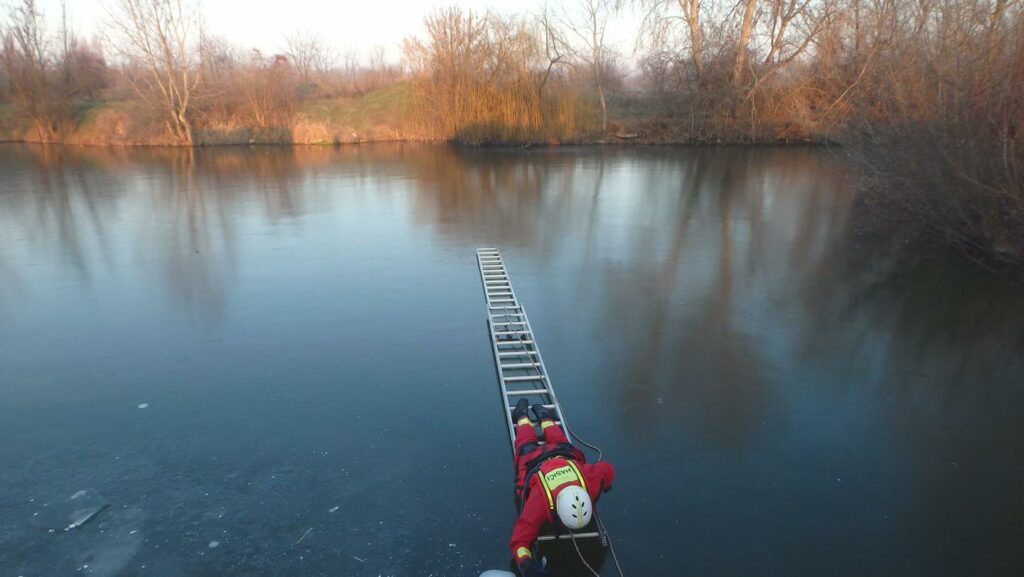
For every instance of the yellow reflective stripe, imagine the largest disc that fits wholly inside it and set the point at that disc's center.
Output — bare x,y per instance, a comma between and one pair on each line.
546,424
524,421
579,475
547,492
523,552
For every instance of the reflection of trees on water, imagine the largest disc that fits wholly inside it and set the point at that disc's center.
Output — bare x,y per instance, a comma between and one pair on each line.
11,285
941,348
682,252
493,198
696,356
199,241
66,208
79,195
714,200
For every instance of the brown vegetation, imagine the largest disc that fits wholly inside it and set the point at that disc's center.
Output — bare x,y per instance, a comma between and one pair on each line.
937,117
483,79
927,94
46,73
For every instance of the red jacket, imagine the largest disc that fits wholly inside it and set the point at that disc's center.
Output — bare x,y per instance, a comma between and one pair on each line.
536,510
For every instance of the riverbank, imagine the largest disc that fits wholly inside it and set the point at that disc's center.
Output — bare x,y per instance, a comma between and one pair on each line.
373,117
383,115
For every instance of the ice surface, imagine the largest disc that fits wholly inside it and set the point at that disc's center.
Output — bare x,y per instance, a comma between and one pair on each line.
71,512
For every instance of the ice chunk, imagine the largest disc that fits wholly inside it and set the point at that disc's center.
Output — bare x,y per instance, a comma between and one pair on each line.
143,405
70,512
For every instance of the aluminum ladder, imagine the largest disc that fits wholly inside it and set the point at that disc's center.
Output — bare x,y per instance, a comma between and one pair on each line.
517,359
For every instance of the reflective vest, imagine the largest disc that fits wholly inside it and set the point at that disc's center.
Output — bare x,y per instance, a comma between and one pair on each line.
557,474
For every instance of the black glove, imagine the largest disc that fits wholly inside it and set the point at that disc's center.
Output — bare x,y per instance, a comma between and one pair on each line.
530,568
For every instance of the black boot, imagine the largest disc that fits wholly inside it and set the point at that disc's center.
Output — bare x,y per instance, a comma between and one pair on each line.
543,413
521,410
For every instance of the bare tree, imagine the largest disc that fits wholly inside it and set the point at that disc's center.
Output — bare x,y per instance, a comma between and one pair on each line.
161,41
269,90
310,55
589,30
477,79
27,61
555,45
660,17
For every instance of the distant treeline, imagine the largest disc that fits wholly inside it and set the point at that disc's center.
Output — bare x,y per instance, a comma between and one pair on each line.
925,93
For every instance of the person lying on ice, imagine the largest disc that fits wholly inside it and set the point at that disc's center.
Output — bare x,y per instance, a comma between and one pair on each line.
554,484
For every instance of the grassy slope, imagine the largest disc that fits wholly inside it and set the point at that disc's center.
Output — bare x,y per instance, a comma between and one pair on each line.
379,115
375,116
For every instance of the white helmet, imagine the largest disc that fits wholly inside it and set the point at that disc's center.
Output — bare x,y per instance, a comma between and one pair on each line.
574,507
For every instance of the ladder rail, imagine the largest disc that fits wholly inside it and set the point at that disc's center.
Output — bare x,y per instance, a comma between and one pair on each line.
496,283
504,310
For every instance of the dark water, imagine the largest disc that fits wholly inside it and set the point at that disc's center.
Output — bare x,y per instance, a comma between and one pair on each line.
307,329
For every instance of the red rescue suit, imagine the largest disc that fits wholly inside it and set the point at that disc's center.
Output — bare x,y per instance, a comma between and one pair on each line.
542,472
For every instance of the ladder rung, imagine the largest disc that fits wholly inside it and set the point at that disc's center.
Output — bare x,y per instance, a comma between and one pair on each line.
520,366
512,407
506,333
525,379
524,393
505,294
516,353
508,322
499,343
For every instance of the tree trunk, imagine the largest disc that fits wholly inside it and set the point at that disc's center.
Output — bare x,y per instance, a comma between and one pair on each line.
744,41
604,108
691,13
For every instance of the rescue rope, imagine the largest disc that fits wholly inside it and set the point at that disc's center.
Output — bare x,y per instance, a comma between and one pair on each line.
600,526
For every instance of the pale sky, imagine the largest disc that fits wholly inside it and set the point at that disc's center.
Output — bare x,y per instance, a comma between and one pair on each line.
359,25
